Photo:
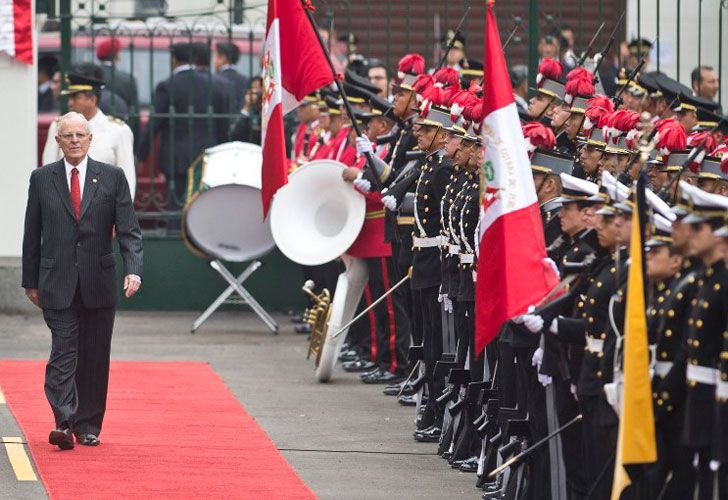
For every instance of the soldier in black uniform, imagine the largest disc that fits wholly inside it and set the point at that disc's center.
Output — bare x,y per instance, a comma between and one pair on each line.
706,324
591,154
674,287
434,175
546,167
721,391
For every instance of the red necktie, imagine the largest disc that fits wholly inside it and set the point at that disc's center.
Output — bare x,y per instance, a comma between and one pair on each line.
75,192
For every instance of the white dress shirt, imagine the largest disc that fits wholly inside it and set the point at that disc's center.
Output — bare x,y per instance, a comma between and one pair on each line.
81,173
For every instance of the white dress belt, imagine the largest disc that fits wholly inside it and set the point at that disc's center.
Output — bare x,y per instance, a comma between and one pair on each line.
662,368
453,249
467,258
594,345
428,242
702,374
721,390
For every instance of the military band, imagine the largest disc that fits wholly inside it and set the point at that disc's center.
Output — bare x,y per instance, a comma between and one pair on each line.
554,374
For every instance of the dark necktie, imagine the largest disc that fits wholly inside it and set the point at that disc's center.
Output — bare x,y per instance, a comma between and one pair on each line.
75,192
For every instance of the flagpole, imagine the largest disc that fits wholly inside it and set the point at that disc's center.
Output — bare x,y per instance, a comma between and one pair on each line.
308,8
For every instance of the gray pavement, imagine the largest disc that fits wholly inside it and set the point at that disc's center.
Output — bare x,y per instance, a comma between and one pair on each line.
345,439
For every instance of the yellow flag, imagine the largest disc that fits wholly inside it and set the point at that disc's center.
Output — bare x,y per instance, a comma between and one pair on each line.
636,441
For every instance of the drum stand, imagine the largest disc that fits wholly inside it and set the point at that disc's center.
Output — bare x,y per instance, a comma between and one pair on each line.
236,285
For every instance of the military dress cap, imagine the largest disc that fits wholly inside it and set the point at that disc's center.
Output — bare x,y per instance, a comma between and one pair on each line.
710,169
659,206
456,37
356,94
81,83
354,78
595,139
704,207
660,232
682,207
574,189
639,46
706,120
615,192
578,104
380,105
721,232
552,88
407,83
551,162
620,148
471,69
436,117
334,105
312,98
674,161
625,206
648,81
636,89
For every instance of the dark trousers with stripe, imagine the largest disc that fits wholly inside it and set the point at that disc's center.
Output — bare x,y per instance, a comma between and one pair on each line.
77,373
425,302
393,331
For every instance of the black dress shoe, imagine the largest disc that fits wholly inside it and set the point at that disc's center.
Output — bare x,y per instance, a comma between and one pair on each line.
303,329
63,438
350,354
429,435
87,439
407,400
469,465
360,365
392,389
383,377
370,373
446,454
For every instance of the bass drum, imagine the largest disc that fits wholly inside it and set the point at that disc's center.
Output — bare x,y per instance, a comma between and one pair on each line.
226,222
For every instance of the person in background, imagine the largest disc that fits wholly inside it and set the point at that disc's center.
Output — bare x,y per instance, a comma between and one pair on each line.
247,126
47,66
227,55
519,82
117,80
567,41
705,83
377,74
113,140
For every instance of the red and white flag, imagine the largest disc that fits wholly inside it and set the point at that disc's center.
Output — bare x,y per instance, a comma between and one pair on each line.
513,272
294,65
16,35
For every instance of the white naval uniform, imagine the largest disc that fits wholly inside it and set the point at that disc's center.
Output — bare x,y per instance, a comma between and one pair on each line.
112,143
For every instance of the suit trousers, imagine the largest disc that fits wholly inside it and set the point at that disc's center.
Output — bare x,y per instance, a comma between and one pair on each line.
77,373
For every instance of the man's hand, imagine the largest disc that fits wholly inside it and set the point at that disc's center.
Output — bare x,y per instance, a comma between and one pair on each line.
350,173
32,294
390,202
132,283
363,145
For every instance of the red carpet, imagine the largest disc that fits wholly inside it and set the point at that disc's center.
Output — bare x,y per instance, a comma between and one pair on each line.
172,430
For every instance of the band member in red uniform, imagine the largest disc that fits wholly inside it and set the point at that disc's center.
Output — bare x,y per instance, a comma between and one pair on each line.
391,327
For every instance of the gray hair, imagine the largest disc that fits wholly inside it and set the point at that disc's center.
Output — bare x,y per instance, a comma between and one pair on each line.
72,115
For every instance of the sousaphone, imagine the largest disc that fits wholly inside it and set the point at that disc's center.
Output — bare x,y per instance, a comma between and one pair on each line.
314,219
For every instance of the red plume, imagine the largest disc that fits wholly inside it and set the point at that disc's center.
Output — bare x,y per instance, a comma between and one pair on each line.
538,135
423,84
447,76
597,112
450,93
549,68
670,136
696,139
435,94
475,87
722,153
579,81
411,63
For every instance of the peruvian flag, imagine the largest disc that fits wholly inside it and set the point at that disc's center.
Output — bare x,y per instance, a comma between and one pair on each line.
16,36
513,272
294,65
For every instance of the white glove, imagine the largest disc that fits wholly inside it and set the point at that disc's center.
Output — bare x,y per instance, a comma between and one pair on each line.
533,322
363,145
362,184
545,380
390,202
519,319
714,465
447,303
537,358
553,265
554,328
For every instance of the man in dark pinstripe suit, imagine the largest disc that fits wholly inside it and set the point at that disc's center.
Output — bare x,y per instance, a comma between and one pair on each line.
68,271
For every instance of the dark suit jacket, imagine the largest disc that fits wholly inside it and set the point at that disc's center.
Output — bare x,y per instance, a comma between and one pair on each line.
60,253
239,85
179,144
122,84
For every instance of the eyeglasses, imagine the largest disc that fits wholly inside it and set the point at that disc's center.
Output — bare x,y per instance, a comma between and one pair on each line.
68,137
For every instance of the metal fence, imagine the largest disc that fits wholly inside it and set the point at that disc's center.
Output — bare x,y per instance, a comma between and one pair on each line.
688,33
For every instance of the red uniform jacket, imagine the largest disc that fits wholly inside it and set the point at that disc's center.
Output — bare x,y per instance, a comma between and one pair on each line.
370,242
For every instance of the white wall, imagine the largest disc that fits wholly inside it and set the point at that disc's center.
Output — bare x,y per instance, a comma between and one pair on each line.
689,20
18,149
